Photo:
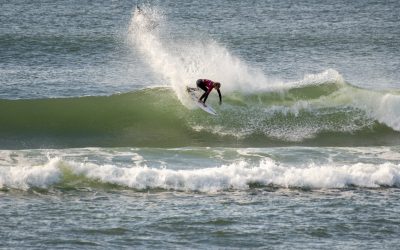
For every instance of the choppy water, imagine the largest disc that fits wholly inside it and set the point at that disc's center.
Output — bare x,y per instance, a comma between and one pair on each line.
102,148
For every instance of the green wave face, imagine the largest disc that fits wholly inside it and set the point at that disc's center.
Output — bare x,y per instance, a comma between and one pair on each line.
328,114
143,118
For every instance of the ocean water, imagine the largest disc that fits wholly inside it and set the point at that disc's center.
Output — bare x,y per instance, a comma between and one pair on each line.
101,147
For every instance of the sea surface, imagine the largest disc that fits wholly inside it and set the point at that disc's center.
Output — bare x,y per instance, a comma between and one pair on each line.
102,148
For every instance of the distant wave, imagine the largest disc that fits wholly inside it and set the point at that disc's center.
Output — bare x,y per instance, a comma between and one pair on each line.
241,175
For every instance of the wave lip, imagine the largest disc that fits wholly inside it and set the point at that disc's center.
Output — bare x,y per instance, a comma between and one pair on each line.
236,176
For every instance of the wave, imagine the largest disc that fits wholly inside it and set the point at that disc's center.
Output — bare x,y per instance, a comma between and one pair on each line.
241,175
320,110
326,114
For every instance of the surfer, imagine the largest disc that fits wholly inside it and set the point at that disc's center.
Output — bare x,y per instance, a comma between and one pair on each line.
207,86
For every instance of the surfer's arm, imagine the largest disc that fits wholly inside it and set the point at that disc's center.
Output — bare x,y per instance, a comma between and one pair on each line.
220,96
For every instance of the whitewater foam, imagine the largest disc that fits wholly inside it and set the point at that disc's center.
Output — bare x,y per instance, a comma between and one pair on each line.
237,176
25,176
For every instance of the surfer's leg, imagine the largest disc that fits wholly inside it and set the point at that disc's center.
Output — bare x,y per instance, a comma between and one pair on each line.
203,96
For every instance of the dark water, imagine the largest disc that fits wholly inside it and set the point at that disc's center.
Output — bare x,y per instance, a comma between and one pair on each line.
102,148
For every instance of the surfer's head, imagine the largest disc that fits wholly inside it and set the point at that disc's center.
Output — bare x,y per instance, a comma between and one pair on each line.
217,85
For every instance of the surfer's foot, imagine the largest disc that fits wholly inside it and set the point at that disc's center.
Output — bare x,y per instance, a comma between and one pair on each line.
203,103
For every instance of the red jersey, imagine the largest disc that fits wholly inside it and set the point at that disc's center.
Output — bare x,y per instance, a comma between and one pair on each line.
209,84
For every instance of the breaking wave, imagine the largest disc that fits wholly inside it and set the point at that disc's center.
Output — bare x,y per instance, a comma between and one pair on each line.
323,114
241,175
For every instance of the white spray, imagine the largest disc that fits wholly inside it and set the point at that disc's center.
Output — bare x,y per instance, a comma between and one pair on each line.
181,63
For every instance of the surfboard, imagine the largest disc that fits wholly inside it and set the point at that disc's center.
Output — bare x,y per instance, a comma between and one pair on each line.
195,95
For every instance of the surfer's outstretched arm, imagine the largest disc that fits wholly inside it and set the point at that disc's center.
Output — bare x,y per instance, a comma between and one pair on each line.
220,96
